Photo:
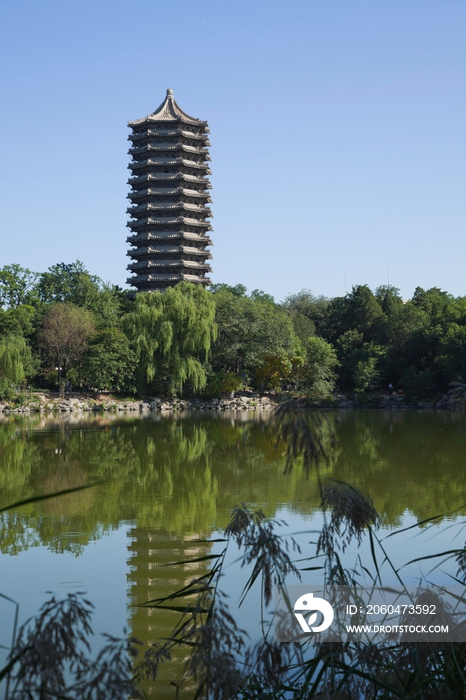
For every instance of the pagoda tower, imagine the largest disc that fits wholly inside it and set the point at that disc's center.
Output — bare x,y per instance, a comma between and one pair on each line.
169,196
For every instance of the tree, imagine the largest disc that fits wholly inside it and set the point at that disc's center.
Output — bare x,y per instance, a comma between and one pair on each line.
360,362
73,284
17,286
108,304
64,335
18,320
402,324
439,305
358,310
279,368
365,364
109,362
303,326
319,368
307,312
239,290
388,297
68,283
452,356
365,375
14,358
415,382
172,333
364,310
346,344
249,329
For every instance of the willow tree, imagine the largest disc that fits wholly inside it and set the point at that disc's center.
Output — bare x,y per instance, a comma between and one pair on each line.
14,357
172,333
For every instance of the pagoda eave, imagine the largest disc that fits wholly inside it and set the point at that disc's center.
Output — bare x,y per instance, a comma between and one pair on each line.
169,236
169,278
134,225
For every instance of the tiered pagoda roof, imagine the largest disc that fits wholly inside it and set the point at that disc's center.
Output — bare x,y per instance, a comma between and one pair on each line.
169,196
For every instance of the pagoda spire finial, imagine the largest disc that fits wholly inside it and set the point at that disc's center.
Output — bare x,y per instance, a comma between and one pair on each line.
169,92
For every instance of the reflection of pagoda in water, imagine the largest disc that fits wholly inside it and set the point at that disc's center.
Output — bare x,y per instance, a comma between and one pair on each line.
149,578
169,195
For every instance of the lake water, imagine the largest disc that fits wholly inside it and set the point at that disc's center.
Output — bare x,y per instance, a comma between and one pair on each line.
167,483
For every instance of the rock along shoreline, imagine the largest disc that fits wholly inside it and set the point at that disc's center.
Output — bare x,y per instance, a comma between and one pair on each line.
50,404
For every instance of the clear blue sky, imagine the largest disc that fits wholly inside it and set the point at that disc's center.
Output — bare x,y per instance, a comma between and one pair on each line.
338,134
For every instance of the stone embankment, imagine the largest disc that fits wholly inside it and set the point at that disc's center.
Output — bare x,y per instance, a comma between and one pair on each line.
46,404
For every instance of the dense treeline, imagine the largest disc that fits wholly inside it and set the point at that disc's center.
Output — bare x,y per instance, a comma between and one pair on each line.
65,326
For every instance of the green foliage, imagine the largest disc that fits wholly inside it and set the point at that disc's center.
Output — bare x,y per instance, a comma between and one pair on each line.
68,283
349,341
388,298
347,344
303,326
319,369
108,305
380,339
239,290
109,362
358,310
365,365
258,340
361,362
17,286
73,284
249,329
416,382
220,383
366,375
403,324
7,390
364,310
452,358
18,320
172,334
277,369
307,312
15,357
437,304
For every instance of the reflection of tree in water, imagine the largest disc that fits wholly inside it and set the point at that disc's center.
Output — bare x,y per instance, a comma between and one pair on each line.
185,474
16,458
174,474
406,460
61,459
